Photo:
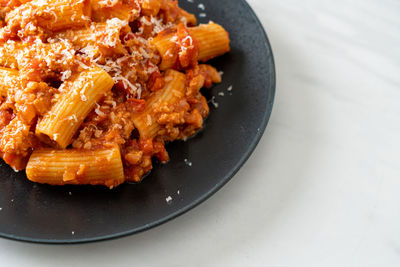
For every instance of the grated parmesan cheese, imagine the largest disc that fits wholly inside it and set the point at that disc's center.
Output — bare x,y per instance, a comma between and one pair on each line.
134,90
215,104
111,102
83,97
187,162
73,117
98,111
188,38
56,136
65,75
158,25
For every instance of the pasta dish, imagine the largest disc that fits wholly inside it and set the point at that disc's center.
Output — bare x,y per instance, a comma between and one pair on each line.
92,90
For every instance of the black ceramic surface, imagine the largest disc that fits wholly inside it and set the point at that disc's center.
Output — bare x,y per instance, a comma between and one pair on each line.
42,213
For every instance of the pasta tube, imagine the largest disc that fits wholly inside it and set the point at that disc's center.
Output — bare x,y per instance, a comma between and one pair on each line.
167,48
103,37
212,39
51,15
61,167
174,89
74,104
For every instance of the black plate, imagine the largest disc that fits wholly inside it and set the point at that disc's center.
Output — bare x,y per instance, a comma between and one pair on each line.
41,213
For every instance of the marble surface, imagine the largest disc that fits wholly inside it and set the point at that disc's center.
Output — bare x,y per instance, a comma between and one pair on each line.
323,186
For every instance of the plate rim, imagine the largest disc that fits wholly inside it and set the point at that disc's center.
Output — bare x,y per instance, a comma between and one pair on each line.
202,198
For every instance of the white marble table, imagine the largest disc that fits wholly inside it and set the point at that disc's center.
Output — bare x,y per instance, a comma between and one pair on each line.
323,187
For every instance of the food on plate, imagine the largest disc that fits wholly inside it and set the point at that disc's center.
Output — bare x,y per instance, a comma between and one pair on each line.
91,91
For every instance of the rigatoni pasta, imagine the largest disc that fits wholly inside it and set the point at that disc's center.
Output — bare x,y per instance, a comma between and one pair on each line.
61,167
51,15
73,105
173,90
92,91
108,32
207,40
212,40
